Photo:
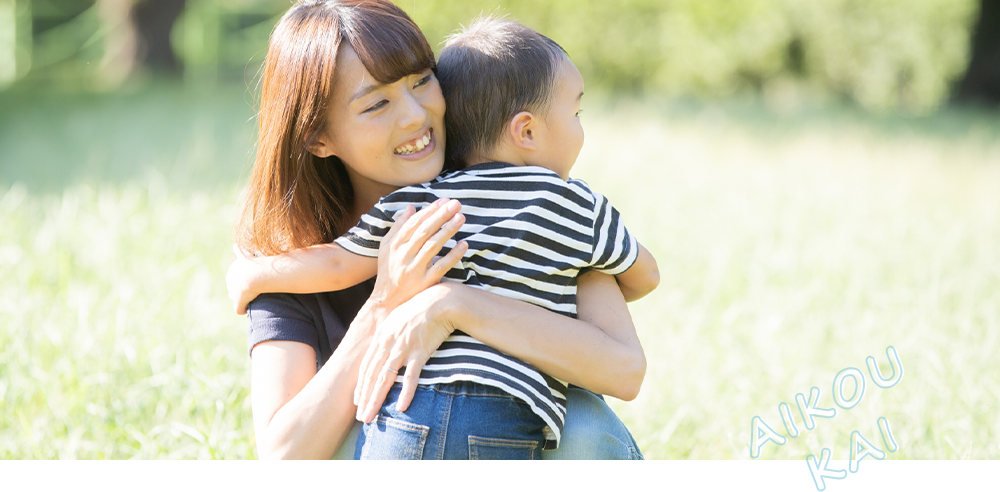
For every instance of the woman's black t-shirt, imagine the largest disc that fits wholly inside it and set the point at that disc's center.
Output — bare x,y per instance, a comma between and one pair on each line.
318,320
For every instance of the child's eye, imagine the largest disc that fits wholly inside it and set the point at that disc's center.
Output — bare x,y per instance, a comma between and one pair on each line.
377,105
578,113
423,81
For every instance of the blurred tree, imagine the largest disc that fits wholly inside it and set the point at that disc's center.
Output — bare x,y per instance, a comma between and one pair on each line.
120,44
883,54
137,35
981,82
153,20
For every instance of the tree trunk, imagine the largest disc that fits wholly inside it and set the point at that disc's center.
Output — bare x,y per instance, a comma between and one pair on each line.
153,20
982,79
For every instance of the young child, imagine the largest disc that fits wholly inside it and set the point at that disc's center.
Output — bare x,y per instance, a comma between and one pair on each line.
513,103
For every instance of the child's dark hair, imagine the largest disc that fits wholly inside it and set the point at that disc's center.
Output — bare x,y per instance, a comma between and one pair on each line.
489,72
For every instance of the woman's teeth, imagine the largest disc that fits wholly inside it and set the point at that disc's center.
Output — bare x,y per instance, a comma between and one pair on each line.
409,149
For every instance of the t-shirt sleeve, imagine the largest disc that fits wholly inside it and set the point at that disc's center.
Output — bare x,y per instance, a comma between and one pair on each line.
281,317
365,238
615,250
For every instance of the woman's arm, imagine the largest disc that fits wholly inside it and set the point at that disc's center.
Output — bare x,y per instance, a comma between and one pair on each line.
598,351
297,411
301,413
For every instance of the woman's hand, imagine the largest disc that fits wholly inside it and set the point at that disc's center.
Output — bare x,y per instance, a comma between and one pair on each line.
406,263
405,269
599,350
240,278
407,337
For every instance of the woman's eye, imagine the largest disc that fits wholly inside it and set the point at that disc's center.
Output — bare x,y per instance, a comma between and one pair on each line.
423,81
376,106
578,113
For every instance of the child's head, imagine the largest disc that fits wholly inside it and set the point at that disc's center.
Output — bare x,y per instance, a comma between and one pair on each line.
510,89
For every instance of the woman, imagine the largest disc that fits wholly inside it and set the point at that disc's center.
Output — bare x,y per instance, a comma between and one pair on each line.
332,120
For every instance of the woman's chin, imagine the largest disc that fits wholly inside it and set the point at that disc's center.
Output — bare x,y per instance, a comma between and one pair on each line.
420,166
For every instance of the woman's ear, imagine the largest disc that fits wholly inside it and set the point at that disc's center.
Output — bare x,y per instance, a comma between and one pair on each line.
322,147
521,130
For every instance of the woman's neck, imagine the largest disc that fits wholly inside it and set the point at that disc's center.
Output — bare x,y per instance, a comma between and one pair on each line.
366,194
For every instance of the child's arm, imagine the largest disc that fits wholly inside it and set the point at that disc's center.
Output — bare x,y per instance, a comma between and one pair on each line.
328,267
641,278
319,268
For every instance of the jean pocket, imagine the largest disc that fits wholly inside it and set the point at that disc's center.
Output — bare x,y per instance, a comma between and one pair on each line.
492,448
390,439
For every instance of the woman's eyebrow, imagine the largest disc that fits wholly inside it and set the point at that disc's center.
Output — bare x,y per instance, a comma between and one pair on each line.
367,90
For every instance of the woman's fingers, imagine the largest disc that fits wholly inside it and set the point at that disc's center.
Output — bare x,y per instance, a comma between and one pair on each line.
407,229
408,337
445,212
398,224
386,377
428,225
369,371
433,246
410,379
443,264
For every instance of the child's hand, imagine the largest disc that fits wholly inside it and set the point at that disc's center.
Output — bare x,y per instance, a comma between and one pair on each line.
239,279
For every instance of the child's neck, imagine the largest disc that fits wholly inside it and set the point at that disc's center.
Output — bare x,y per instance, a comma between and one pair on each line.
510,157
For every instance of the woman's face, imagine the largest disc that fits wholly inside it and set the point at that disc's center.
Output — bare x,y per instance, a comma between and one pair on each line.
387,135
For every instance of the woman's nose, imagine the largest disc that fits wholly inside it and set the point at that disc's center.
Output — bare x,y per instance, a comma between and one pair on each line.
414,114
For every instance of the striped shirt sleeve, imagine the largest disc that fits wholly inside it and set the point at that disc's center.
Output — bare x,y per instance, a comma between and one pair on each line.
615,250
365,238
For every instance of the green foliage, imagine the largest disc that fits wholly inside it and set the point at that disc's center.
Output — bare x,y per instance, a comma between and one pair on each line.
882,54
228,37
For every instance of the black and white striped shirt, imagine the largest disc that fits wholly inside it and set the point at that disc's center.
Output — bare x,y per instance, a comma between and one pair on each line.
530,234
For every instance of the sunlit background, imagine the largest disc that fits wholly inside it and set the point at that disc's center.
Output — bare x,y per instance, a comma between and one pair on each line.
818,180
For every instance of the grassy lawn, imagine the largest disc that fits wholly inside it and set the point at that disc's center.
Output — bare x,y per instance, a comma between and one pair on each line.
791,246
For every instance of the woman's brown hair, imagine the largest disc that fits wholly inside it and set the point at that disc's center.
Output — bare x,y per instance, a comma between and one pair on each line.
293,198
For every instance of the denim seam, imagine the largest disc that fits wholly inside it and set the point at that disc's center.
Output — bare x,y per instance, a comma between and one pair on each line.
402,424
505,443
471,393
635,454
445,418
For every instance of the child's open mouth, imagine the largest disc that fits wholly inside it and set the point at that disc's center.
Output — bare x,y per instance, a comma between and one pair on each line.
416,145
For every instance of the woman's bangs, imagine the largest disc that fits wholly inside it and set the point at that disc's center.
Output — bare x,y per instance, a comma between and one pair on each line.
389,45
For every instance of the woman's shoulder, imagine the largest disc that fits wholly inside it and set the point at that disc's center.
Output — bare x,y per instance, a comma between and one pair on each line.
318,320
286,317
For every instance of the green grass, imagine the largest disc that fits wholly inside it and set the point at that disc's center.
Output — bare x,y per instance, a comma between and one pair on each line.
788,253
791,246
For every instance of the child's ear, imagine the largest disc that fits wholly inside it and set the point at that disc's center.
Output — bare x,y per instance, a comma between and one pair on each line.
322,147
522,128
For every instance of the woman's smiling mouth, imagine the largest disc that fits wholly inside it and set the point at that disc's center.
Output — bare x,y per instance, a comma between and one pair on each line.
417,145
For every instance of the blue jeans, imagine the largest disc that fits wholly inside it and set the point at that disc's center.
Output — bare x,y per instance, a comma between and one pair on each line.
592,432
453,421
